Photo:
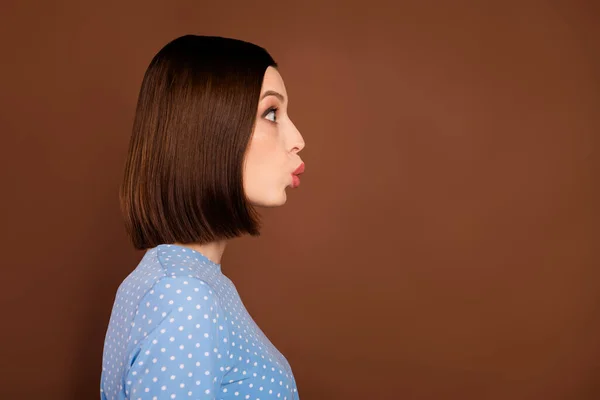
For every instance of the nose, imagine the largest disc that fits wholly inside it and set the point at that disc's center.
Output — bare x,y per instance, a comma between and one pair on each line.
297,140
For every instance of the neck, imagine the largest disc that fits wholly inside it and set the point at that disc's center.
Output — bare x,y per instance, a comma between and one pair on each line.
212,250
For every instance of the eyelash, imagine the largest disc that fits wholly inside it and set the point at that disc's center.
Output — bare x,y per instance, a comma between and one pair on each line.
274,109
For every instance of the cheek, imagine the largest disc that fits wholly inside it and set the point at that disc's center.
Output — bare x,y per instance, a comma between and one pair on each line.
263,151
259,156
263,142
264,169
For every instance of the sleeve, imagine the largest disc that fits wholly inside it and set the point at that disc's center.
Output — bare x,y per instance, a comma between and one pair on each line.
176,353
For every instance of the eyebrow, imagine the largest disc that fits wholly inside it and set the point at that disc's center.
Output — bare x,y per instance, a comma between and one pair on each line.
273,93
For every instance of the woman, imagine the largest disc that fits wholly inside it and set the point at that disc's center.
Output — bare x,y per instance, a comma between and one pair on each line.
211,140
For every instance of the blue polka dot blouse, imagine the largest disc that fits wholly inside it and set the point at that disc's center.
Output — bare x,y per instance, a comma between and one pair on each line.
178,330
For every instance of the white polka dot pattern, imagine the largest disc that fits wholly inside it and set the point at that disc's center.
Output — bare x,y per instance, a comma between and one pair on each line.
178,330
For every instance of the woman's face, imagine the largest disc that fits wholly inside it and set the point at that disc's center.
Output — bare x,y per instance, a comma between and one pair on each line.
272,157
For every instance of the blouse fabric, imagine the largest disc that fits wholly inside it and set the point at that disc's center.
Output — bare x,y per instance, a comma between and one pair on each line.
179,330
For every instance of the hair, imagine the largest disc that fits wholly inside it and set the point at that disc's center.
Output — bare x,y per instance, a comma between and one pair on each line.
195,115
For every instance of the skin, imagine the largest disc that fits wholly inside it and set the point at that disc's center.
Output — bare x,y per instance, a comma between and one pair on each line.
271,157
273,150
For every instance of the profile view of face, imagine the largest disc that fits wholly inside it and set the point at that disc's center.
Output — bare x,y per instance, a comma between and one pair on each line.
272,162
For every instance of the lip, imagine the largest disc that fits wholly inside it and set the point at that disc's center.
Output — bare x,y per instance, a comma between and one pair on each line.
299,170
295,181
296,177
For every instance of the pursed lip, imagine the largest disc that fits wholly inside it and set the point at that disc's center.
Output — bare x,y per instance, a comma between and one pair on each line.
299,170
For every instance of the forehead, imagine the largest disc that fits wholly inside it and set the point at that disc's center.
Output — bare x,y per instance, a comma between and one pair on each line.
273,81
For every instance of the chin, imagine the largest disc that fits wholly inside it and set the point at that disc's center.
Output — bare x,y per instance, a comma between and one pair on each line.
271,201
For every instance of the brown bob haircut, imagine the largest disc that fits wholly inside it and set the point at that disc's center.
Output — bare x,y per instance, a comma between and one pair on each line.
194,119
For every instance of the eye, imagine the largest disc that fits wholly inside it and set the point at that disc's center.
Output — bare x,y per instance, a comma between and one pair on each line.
271,114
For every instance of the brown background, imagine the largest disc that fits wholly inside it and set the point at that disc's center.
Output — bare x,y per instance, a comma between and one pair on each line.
443,244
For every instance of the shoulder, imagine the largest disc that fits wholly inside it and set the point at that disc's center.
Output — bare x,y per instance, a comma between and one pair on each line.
176,305
180,290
